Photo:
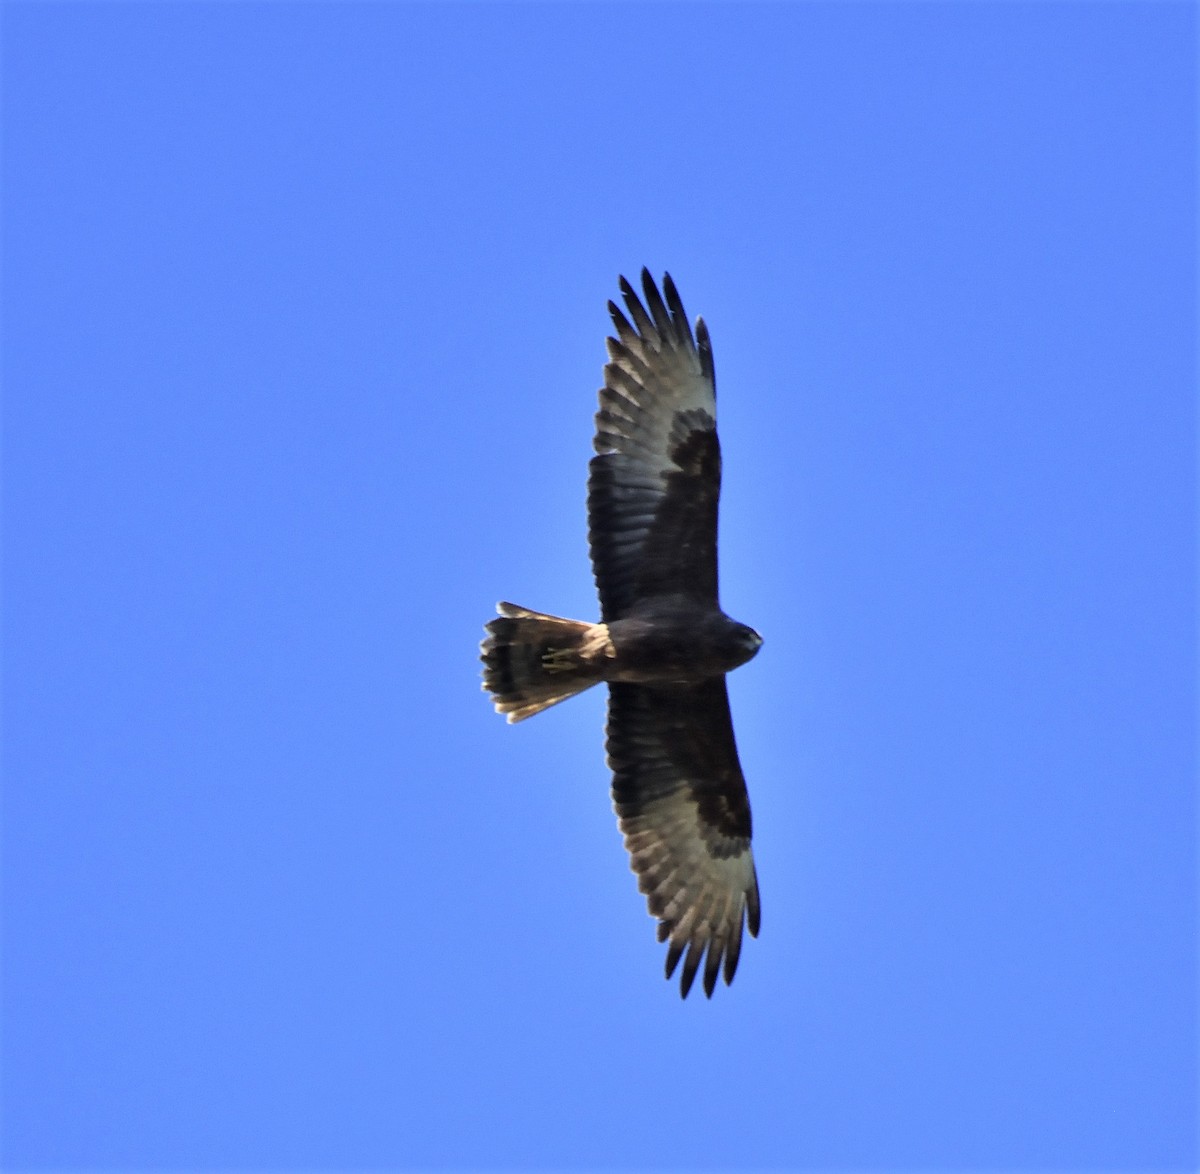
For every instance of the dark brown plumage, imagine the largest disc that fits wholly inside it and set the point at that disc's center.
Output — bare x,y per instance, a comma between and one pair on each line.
663,643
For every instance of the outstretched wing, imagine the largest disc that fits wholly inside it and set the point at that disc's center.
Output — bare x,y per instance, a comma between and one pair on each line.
654,483
682,806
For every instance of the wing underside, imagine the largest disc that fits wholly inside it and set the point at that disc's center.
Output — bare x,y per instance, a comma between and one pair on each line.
656,477
683,809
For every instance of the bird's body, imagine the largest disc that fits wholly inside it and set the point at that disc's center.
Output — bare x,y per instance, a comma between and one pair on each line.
675,642
663,644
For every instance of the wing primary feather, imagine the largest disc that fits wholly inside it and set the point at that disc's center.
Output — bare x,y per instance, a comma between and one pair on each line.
654,303
640,318
704,349
621,323
626,384
712,965
683,331
733,948
690,965
624,353
725,905
674,952
753,909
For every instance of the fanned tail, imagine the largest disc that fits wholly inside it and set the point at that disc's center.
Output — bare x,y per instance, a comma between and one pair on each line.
532,660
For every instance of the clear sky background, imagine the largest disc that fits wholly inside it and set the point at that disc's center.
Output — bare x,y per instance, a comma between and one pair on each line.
304,321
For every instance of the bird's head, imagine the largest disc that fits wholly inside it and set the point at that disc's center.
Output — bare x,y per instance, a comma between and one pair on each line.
747,640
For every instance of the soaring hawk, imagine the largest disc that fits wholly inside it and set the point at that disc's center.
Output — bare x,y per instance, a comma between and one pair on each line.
663,644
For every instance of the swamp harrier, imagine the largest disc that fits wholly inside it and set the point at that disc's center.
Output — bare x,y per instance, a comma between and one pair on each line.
663,644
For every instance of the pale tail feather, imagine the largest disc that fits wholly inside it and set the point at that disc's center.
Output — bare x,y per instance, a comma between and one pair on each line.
531,661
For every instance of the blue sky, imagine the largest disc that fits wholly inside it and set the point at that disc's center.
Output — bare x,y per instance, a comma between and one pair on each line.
304,320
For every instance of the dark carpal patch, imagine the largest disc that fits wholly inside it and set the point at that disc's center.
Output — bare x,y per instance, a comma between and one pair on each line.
689,447
680,555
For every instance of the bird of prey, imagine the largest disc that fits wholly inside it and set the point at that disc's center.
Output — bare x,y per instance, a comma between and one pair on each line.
663,645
